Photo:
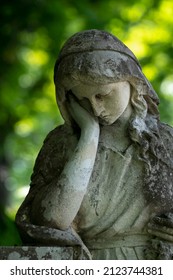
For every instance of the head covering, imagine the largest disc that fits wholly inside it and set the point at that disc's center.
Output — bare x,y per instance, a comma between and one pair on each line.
98,55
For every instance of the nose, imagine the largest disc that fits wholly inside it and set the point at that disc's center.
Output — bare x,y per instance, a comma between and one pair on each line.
97,107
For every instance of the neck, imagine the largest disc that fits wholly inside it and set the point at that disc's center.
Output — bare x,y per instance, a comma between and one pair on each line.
123,120
117,133
119,130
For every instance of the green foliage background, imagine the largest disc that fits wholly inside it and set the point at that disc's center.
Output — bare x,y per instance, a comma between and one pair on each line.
32,32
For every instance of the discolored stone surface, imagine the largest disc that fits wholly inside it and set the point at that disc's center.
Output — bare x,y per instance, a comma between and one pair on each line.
36,253
102,186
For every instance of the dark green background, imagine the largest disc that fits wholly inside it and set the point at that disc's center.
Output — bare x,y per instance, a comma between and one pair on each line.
31,34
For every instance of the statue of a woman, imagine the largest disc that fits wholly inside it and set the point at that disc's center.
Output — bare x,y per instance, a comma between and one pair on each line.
103,180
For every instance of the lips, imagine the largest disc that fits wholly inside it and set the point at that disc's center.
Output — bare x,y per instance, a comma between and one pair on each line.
104,120
103,117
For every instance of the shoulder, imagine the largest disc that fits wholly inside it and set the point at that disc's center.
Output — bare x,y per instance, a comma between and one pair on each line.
166,134
60,140
55,152
166,131
166,128
60,137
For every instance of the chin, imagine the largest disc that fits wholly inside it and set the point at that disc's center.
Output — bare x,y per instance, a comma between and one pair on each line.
106,121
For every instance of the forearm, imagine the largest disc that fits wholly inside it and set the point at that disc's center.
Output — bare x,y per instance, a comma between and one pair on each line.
78,170
61,202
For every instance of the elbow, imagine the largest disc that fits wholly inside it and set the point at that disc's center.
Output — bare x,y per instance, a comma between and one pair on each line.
50,218
53,215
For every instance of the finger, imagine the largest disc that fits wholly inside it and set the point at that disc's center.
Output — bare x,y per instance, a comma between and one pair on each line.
86,105
79,105
72,101
163,230
76,107
83,117
72,110
162,235
78,113
73,105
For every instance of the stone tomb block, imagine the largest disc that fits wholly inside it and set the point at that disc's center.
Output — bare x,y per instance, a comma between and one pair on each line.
36,253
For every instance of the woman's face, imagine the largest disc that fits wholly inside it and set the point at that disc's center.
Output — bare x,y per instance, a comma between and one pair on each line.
108,102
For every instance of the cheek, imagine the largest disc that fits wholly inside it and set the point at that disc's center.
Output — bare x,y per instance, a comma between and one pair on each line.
121,105
117,106
122,100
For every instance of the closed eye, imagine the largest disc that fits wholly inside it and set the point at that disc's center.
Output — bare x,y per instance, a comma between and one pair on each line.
109,93
101,96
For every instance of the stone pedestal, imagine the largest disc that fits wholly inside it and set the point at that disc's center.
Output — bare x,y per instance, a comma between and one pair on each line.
38,253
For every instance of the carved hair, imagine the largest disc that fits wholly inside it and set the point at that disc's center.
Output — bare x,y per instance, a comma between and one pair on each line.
98,57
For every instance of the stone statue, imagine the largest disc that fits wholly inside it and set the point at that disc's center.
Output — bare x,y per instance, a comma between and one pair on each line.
103,181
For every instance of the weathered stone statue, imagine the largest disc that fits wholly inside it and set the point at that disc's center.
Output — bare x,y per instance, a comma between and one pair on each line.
103,181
